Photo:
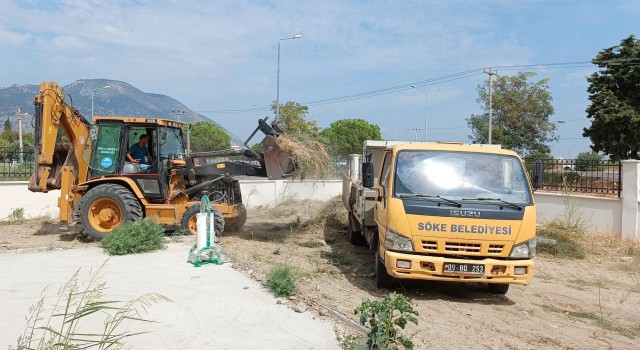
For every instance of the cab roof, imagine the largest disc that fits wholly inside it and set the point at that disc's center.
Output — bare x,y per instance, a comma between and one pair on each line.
139,120
439,146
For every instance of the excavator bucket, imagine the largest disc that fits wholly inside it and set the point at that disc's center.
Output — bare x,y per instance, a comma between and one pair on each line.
277,162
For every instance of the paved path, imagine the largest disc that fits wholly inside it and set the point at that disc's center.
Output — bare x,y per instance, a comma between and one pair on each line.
211,308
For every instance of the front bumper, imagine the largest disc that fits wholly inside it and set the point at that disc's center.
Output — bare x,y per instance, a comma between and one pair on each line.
425,267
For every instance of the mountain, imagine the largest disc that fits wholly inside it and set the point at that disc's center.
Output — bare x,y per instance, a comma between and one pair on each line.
111,97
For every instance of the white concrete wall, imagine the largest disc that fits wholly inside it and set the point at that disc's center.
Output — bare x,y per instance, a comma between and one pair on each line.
255,193
601,215
14,195
270,192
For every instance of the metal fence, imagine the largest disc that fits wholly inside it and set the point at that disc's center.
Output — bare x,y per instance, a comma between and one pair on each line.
599,178
15,165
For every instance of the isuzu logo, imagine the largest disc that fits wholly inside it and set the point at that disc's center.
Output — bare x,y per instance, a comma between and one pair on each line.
465,213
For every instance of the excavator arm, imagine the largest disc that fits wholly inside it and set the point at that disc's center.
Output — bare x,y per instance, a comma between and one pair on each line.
58,165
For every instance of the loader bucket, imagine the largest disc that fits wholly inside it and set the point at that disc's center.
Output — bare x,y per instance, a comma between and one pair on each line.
277,162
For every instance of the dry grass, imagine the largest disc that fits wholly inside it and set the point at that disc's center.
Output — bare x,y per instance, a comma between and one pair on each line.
311,157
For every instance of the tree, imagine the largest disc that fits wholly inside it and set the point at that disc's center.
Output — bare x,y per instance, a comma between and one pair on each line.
521,111
293,119
207,136
257,147
346,136
5,149
7,125
614,92
588,161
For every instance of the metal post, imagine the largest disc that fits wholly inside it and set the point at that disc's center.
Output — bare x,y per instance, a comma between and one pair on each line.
21,148
297,36
278,87
491,74
416,130
92,105
426,106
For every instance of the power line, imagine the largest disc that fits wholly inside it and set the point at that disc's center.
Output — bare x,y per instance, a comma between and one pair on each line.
441,79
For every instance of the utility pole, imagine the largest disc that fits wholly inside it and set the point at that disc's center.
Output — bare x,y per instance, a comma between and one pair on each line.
490,73
416,130
21,149
178,113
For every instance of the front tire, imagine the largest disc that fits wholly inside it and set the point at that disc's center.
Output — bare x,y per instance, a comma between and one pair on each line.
383,279
498,288
107,206
189,219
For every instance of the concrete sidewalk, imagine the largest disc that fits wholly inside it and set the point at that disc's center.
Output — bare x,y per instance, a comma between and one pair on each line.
211,308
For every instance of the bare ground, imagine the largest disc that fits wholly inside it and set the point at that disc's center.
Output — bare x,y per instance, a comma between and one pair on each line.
572,304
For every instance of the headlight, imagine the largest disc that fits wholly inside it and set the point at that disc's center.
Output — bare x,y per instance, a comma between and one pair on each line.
397,242
524,250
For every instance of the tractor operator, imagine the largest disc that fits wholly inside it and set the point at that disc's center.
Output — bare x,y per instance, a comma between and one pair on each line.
139,153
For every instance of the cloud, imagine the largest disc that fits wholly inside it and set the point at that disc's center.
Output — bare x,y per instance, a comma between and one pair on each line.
13,38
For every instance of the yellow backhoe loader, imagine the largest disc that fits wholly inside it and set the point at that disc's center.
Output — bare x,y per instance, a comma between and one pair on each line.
101,184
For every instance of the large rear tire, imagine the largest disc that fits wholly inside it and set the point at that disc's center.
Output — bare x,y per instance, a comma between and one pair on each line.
383,279
237,224
105,207
189,219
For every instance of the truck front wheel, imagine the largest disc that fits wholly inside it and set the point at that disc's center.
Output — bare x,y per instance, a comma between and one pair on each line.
498,288
383,279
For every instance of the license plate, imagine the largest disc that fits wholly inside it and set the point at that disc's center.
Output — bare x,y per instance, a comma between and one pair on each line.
471,269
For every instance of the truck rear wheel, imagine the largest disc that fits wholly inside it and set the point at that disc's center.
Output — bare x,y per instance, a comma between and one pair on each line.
355,236
105,207
498,288
239,221
189,220
383,279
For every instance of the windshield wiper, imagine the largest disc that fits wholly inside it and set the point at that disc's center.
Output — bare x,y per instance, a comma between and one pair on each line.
512,205
432,198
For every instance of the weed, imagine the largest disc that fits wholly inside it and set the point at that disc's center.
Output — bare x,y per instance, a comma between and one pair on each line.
76,308
337,258
569,240
386,318
349,341
599,320
17,215
281,280
134,237
333,214
311,244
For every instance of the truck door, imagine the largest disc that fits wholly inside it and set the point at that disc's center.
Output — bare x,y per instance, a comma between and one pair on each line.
383,186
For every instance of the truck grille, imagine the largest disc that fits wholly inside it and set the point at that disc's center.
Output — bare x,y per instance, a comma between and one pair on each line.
463,248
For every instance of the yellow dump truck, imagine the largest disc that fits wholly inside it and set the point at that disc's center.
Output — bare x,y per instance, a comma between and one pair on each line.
443,211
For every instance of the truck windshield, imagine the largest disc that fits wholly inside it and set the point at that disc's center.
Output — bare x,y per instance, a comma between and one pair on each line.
461,175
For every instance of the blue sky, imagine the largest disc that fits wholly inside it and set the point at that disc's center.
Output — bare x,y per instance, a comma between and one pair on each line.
221,55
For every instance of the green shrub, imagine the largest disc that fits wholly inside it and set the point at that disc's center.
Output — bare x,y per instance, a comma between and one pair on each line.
282,280
386,318
134,237
588,161
569,239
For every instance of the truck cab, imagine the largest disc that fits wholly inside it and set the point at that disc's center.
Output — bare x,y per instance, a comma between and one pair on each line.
445,211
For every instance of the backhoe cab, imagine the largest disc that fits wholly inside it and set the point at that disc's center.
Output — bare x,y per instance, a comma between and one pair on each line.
125,168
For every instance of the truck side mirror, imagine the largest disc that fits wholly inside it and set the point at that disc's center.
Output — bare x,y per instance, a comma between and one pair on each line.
538,172
367,174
